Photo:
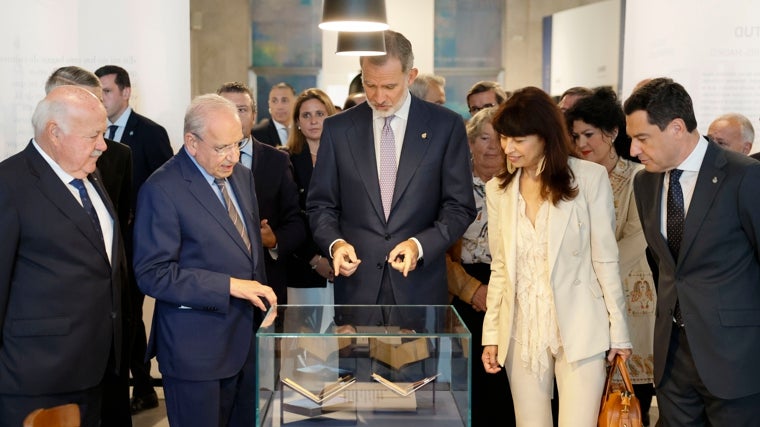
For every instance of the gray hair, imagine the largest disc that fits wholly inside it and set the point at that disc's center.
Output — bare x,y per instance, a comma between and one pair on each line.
396,46
195,115
421,84
71,75
748,131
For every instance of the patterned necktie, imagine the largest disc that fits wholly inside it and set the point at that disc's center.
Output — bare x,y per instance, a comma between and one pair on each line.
387,172
675,213
232,212
675,219
87,205
112,131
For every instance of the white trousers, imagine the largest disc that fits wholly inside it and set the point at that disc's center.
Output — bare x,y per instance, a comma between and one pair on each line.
579,383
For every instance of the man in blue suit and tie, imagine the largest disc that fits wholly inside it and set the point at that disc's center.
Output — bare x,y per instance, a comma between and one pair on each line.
392,186
198,252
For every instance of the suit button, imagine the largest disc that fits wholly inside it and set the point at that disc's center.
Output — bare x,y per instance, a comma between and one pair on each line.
575,253
387,237
576,282
379,265
113,315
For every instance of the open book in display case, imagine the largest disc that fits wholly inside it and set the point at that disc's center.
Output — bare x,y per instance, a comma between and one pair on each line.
363,365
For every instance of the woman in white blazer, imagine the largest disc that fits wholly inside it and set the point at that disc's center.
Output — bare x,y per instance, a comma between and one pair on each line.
555,300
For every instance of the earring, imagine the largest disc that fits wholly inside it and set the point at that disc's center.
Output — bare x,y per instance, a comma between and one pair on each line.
541,165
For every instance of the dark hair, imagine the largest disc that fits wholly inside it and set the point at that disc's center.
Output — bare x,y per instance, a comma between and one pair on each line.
283,85
485,86
296,139
237,87
356,85
530,111
122,77
576,90
602,110
664,101
396,46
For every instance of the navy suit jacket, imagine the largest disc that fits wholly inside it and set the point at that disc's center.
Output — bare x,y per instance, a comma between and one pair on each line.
186,250
266,132
115,167
277,196
432,200
150,148
59,295
716,278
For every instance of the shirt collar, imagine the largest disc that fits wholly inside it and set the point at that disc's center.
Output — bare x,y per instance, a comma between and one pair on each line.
63,175
402,112
694,161
122,120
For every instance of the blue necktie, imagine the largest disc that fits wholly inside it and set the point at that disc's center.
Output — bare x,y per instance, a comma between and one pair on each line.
87,204
112,132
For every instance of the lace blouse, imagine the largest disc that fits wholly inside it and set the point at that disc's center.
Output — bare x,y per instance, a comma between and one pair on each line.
535,326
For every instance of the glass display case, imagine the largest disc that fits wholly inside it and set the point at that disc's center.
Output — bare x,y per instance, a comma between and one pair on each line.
363,365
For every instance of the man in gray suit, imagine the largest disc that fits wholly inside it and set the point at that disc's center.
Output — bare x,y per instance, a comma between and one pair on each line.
392,185
700,213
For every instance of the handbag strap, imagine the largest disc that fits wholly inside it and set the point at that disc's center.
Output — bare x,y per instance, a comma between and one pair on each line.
617,364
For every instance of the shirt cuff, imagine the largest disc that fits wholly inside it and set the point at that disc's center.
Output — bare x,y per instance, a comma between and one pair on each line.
273,252
329,249
419,247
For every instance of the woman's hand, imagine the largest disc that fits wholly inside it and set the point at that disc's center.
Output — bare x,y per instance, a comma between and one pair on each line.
489,359
624,353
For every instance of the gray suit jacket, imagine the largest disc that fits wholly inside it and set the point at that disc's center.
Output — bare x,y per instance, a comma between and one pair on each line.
432,200
716,277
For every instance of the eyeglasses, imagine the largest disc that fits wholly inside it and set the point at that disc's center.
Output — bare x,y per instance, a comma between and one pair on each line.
224,150
474,109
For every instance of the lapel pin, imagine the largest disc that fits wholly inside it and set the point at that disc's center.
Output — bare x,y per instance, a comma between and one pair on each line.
715,180
424,135
131,133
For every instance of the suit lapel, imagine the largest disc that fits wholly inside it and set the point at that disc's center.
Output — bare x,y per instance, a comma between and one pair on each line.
51,186
559,217
361,144
207,198
709,181
509,213
417,138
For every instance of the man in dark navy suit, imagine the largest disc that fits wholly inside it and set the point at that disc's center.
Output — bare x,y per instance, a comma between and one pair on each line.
275,131
198,252
282,227
150,147
392,186
61,258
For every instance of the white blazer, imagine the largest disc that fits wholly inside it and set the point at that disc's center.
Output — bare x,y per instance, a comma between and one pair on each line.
583,263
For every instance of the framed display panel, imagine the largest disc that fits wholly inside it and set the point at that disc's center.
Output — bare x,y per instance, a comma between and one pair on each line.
363,365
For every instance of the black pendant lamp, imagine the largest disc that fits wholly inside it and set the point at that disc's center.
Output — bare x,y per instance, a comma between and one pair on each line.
361,44
354,15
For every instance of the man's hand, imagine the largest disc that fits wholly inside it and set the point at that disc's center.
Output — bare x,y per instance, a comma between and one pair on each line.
345,261
252,291
268,239
403,257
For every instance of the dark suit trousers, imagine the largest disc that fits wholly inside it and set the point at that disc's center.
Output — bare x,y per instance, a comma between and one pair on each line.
227,402
684,401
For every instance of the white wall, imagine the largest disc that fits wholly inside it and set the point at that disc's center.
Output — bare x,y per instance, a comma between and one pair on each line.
413,19
585,46
150,39
712,49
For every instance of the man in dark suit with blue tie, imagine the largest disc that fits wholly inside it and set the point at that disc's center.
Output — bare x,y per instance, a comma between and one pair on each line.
150,147
198,252
282,227
61,259
700,214
393,186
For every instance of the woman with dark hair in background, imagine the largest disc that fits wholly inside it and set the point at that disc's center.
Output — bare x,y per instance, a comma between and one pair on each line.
555,302
597,125
310,272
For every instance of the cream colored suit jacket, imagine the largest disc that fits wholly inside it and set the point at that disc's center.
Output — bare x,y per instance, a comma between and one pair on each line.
583,263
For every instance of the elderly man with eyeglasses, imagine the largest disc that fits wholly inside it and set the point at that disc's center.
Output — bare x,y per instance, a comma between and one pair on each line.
199,253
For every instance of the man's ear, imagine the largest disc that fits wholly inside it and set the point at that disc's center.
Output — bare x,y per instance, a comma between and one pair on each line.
412,75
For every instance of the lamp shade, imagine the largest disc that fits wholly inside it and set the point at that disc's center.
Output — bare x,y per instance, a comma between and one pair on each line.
354,15
361,44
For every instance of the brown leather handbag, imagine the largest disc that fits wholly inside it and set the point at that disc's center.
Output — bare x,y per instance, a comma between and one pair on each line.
620,407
